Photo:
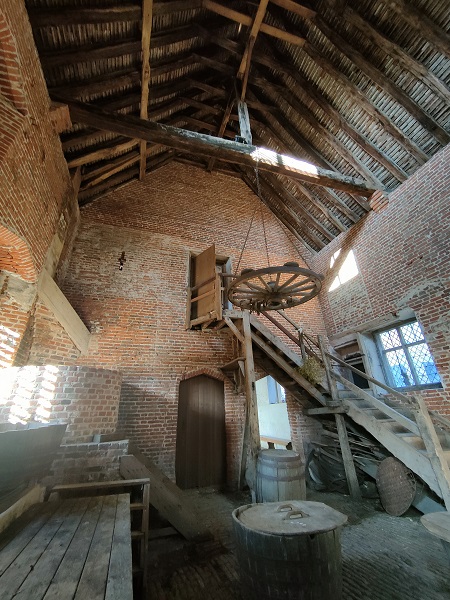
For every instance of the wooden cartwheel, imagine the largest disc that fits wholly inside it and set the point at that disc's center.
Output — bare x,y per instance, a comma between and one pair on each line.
274,288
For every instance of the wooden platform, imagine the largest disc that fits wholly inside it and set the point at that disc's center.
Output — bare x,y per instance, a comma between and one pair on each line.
78,548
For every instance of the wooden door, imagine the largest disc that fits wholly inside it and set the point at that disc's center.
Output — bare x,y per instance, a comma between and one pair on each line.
200,454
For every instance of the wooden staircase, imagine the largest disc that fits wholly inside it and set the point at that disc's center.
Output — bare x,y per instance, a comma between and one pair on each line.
403,425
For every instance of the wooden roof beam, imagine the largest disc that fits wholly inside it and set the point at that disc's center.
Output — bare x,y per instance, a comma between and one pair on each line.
223,125
306,115
147,17
348,86
102,153
244,67
88,53
99,85
339,121
295,205
400,96
53,17
316,202
227,150
298,9
109,170
121,178
327,213
285,125
422,24
243,19
397,53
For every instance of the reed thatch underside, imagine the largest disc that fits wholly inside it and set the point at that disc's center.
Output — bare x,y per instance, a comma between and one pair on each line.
358,92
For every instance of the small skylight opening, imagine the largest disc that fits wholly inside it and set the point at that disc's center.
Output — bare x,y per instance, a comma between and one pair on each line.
348,270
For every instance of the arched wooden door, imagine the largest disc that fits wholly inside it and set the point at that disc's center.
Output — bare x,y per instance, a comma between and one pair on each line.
200,454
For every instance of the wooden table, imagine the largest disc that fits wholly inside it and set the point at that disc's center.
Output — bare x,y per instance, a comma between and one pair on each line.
438,524
74,549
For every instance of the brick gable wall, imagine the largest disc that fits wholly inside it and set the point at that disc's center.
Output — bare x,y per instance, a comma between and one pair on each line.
403,256
137,315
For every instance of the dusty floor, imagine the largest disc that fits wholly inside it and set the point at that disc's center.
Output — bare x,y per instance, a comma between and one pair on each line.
384,557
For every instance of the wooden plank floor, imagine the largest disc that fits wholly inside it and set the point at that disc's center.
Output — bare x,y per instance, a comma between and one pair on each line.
75,549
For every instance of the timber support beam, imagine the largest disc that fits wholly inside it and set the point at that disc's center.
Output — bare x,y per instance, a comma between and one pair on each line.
229,151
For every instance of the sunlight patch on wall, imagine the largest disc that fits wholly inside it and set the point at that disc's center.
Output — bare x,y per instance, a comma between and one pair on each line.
9,340
34,393
348,270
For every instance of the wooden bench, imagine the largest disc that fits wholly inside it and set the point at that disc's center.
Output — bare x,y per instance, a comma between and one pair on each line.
73,549
139,490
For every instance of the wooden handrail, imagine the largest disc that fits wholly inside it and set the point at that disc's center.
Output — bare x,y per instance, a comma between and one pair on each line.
443,420
282,328
371,379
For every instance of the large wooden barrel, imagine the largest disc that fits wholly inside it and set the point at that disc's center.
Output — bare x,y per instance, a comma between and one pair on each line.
289,551
280,475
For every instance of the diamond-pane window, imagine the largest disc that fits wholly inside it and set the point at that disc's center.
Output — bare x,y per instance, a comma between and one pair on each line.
406,356
390,339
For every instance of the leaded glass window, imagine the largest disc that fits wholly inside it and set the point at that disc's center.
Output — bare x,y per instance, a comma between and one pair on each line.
406,356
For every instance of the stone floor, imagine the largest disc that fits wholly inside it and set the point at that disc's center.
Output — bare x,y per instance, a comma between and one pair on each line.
384,557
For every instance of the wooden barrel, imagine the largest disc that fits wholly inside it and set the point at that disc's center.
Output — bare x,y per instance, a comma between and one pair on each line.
280,475
289,551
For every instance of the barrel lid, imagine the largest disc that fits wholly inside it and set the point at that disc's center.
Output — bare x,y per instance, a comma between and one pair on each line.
279,454
296,517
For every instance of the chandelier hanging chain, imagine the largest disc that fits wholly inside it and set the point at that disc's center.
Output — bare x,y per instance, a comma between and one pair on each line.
245,241
272,288
258,190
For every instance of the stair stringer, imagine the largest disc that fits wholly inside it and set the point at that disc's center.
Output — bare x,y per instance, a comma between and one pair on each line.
414,459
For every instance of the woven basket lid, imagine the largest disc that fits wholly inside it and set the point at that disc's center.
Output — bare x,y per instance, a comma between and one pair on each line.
295,517
396,486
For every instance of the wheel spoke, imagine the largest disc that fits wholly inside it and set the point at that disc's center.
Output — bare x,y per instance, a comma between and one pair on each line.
290,280
265,284
253,286
264,289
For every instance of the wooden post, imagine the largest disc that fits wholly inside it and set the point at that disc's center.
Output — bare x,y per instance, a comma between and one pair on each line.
301,339
349,465
252,444
434,449
330,379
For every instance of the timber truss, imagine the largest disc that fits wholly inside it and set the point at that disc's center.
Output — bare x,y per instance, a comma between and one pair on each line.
340,101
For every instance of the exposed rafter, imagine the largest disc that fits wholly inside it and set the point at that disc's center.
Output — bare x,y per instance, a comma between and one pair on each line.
210,146
358,90
383,81
243,19
147,9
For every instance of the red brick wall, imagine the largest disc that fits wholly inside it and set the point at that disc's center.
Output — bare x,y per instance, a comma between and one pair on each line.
35,188
85,398
137,315
84,463
34,180
403,256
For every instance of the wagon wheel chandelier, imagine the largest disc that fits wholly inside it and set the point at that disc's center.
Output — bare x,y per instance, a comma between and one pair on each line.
272,288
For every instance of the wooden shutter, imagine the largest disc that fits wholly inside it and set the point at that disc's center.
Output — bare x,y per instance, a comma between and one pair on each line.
204,297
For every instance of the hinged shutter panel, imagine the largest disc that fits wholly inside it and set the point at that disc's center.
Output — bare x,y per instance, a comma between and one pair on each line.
205,292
